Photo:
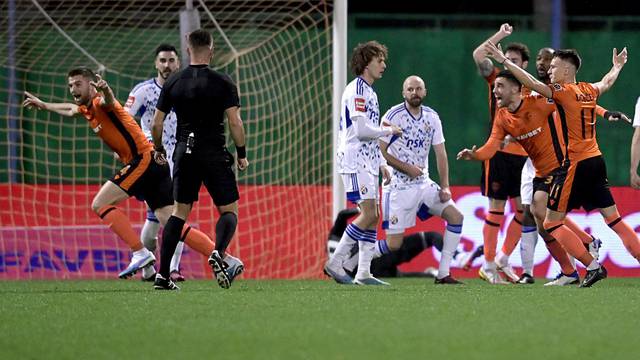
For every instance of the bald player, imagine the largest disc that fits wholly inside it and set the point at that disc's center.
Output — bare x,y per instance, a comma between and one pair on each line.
411,192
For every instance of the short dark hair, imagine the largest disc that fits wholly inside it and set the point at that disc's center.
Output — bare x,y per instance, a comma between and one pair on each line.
364,53
569,55
520,48
165,47
509,76
200,38
84,71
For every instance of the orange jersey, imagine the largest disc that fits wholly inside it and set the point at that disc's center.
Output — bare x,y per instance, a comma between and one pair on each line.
114,125
576,105
512,148
533,126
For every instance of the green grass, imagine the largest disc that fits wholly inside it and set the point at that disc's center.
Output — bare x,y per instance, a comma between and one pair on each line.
317,320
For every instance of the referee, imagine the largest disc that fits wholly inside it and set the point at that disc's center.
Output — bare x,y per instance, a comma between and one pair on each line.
201,97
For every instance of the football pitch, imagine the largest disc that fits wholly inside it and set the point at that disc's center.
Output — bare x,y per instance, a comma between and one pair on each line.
318,320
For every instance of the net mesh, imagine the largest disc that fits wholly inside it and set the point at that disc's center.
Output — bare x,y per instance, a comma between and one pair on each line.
279,55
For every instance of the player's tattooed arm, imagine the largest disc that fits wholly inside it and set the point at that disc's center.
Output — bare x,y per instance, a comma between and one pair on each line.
484,64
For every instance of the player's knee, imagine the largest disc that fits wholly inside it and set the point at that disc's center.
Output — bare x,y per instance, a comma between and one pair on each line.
456,218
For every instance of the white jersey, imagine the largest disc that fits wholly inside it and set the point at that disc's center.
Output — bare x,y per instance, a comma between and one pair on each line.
354,155
141,104
418,134
636,116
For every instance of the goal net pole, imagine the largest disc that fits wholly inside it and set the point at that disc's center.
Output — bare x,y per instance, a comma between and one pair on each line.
339,82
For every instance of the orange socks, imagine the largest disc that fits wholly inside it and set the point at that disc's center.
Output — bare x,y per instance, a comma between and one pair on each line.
119,224
584,237
197,240
559,255
625,232
514,232
569,241
490,232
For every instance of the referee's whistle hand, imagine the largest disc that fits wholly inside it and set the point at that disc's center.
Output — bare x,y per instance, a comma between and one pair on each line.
243,164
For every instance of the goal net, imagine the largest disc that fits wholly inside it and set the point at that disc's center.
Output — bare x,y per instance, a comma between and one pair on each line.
279,55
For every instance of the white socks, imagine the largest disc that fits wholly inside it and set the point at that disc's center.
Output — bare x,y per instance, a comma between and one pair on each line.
528,248
449,245
149,234
175,260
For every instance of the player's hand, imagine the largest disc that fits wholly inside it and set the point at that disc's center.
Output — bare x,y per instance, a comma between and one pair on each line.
32,102
467,154
506,141
243,164
616,115
100,84
495,51
619,59
506,29
386,175
413,171
635,181
396,130
444,194
159,158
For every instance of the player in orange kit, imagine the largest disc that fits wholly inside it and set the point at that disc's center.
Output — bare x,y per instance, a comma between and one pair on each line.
582,180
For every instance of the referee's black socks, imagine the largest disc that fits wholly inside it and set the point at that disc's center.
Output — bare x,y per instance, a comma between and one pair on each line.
225,228
170,237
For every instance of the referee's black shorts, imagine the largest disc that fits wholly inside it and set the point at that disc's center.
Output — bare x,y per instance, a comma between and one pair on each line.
214,168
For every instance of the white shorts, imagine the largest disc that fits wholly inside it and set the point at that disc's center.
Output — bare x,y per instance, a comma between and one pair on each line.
360,186
526,182
401,205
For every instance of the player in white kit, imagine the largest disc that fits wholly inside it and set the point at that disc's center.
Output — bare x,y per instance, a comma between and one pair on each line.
141,104
411,192
359,162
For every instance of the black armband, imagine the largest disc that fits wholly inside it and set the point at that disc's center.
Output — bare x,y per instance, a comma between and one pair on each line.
241,151
613,114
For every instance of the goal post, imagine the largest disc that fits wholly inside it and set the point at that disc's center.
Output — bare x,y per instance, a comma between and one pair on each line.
279,53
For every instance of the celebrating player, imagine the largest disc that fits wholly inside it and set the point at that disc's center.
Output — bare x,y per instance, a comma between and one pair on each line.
502,173
145,174
582,180
411,191
359,161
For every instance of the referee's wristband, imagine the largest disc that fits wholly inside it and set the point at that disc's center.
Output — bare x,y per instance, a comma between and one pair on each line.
241,151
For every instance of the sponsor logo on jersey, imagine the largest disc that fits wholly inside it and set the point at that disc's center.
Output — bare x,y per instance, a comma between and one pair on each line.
363,190
394,219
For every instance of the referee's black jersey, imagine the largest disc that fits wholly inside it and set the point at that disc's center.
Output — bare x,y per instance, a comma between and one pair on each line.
199,96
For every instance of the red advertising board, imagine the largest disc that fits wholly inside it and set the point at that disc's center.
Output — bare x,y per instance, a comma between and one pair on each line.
49,231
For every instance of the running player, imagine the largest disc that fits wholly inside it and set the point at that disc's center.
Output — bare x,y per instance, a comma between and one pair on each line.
411,191
359,161
582,180
145,174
